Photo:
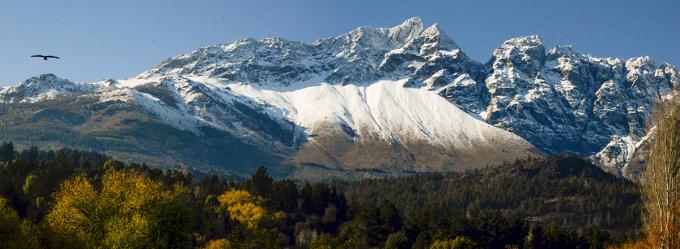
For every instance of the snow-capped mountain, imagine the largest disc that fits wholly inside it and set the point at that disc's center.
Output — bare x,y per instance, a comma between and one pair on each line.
363,55
40,88
563,101
372,101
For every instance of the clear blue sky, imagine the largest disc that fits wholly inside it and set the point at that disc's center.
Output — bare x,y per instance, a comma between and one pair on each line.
119,39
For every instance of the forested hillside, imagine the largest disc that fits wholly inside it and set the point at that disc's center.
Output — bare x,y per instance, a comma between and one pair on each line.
76,199
563,190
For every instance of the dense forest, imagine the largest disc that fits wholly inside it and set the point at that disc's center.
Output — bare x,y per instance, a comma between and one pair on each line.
563,190
76,199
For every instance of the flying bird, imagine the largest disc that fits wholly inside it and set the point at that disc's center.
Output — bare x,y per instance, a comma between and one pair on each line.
44,57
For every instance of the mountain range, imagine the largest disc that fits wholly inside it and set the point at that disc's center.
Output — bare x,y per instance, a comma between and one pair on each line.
371,102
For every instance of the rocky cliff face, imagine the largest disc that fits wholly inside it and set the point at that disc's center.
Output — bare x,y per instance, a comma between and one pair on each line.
376,100
566,102
562,101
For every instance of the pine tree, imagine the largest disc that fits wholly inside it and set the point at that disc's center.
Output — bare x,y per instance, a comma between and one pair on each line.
260,183
7,152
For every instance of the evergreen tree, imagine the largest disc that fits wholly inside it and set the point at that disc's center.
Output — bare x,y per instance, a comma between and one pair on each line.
390,217
7,152
284,196
260,183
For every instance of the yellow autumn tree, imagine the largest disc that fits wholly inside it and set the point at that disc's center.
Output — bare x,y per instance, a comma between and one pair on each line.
242,207
661,181
642,244
219,244
74,219
129,210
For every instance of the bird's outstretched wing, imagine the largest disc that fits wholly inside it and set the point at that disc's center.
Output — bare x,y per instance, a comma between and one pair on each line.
45,57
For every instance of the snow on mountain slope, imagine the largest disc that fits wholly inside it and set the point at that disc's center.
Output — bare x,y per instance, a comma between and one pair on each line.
382,127
187,104
43,87
383,114
386,108
624,156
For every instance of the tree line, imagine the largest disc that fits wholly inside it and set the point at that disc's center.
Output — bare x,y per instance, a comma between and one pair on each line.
563,190
76,199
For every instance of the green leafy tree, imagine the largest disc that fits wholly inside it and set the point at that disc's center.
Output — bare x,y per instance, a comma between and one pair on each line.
374,226
390,217
354,236
28,183
457,243
325,241
113,165
15,233
397,240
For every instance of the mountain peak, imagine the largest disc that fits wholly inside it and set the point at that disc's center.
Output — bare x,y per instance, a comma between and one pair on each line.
524,41
41,87
566,50
411,25
48,79
523,51
433,30
435,33
412,21
407,30
396,36
640,62
47,76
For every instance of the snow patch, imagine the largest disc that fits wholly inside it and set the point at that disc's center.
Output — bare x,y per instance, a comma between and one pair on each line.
384,107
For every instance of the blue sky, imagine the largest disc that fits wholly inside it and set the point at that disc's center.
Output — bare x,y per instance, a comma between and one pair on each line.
119,39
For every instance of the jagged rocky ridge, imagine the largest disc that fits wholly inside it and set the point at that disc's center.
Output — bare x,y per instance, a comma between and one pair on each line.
562,101
366,102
